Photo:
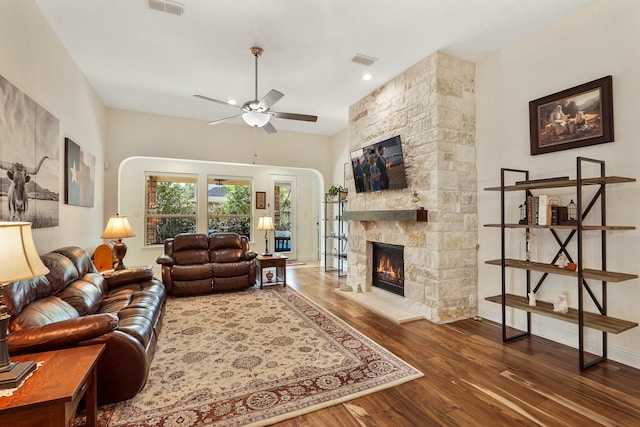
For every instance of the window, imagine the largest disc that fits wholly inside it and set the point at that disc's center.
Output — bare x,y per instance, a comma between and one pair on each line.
171,206
229,205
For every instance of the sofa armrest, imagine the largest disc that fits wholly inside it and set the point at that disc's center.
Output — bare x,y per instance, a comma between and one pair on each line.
165,260
62,334
118,278
249,255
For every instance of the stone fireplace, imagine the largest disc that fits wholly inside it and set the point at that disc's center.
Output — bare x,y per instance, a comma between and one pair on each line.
432,107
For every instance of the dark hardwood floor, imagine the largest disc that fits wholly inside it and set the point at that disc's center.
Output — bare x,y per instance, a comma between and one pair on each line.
470,377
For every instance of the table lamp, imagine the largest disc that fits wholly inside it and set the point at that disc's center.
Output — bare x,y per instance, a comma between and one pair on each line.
266,223
20,261
118,228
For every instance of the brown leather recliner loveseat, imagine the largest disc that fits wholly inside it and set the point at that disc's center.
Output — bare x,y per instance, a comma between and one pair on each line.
73,305
195,263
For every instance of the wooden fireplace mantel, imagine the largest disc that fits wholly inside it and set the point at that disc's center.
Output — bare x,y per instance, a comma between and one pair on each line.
407,215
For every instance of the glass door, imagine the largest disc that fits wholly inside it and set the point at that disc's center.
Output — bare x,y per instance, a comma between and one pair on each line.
284,215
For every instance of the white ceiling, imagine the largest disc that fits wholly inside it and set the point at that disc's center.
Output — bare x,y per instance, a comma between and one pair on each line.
144,60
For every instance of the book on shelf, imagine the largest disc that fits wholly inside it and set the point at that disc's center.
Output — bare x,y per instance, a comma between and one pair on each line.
554,214
543,205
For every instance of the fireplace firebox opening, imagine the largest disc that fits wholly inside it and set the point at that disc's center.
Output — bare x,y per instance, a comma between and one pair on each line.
388,267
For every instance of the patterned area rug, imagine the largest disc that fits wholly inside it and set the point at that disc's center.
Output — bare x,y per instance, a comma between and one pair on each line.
251,359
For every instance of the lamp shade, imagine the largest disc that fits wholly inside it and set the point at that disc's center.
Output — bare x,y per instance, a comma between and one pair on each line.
118,228
20,260
256,118
265,223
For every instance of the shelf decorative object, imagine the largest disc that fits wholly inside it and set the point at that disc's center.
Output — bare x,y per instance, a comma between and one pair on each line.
529,247
338,190
572,211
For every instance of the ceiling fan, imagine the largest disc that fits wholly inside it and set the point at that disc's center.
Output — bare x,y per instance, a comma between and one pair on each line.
258,113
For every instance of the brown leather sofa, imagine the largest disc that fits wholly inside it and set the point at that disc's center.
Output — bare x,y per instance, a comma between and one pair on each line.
73,305
198,264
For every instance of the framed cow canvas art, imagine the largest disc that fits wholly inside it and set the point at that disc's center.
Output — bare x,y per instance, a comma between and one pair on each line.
29,159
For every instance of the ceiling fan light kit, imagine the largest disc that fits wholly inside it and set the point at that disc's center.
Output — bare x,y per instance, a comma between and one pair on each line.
256,118
257,113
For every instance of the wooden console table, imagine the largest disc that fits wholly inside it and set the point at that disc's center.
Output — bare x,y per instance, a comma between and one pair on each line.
50,397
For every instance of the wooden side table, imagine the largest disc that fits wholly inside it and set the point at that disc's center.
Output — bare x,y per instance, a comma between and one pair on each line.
50,397
280,264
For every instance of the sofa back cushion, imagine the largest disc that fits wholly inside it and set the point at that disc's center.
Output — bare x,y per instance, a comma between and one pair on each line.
17,295
225,247
190,248
61,271
80,259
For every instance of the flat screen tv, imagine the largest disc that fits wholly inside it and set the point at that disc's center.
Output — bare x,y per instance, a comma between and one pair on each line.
379,166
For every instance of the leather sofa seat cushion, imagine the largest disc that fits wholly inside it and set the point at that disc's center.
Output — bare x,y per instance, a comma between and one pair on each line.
18,294
232,269
192,272
134,296
43,312
114,303
84,296
61,271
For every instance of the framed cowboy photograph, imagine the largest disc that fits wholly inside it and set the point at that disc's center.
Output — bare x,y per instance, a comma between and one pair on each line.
575,117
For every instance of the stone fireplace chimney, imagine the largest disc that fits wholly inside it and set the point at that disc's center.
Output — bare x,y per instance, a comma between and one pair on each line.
432,107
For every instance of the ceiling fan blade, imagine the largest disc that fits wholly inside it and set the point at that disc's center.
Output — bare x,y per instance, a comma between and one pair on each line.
268,128
206,98
293,116
215,122
270,98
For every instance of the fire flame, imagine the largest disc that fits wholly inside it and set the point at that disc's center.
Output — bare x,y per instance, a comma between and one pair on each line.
388,270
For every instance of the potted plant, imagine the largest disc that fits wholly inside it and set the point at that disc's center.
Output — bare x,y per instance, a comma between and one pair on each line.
337,190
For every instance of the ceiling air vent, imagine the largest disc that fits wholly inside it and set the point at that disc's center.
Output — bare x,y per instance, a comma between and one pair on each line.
166,6
363,59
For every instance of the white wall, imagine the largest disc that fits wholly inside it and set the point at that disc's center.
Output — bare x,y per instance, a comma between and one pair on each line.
133,134
33,59
597,41
339,156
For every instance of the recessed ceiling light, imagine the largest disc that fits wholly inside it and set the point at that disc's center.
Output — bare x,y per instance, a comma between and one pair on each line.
367,76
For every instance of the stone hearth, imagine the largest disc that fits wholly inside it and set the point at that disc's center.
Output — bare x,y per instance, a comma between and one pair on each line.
432,107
